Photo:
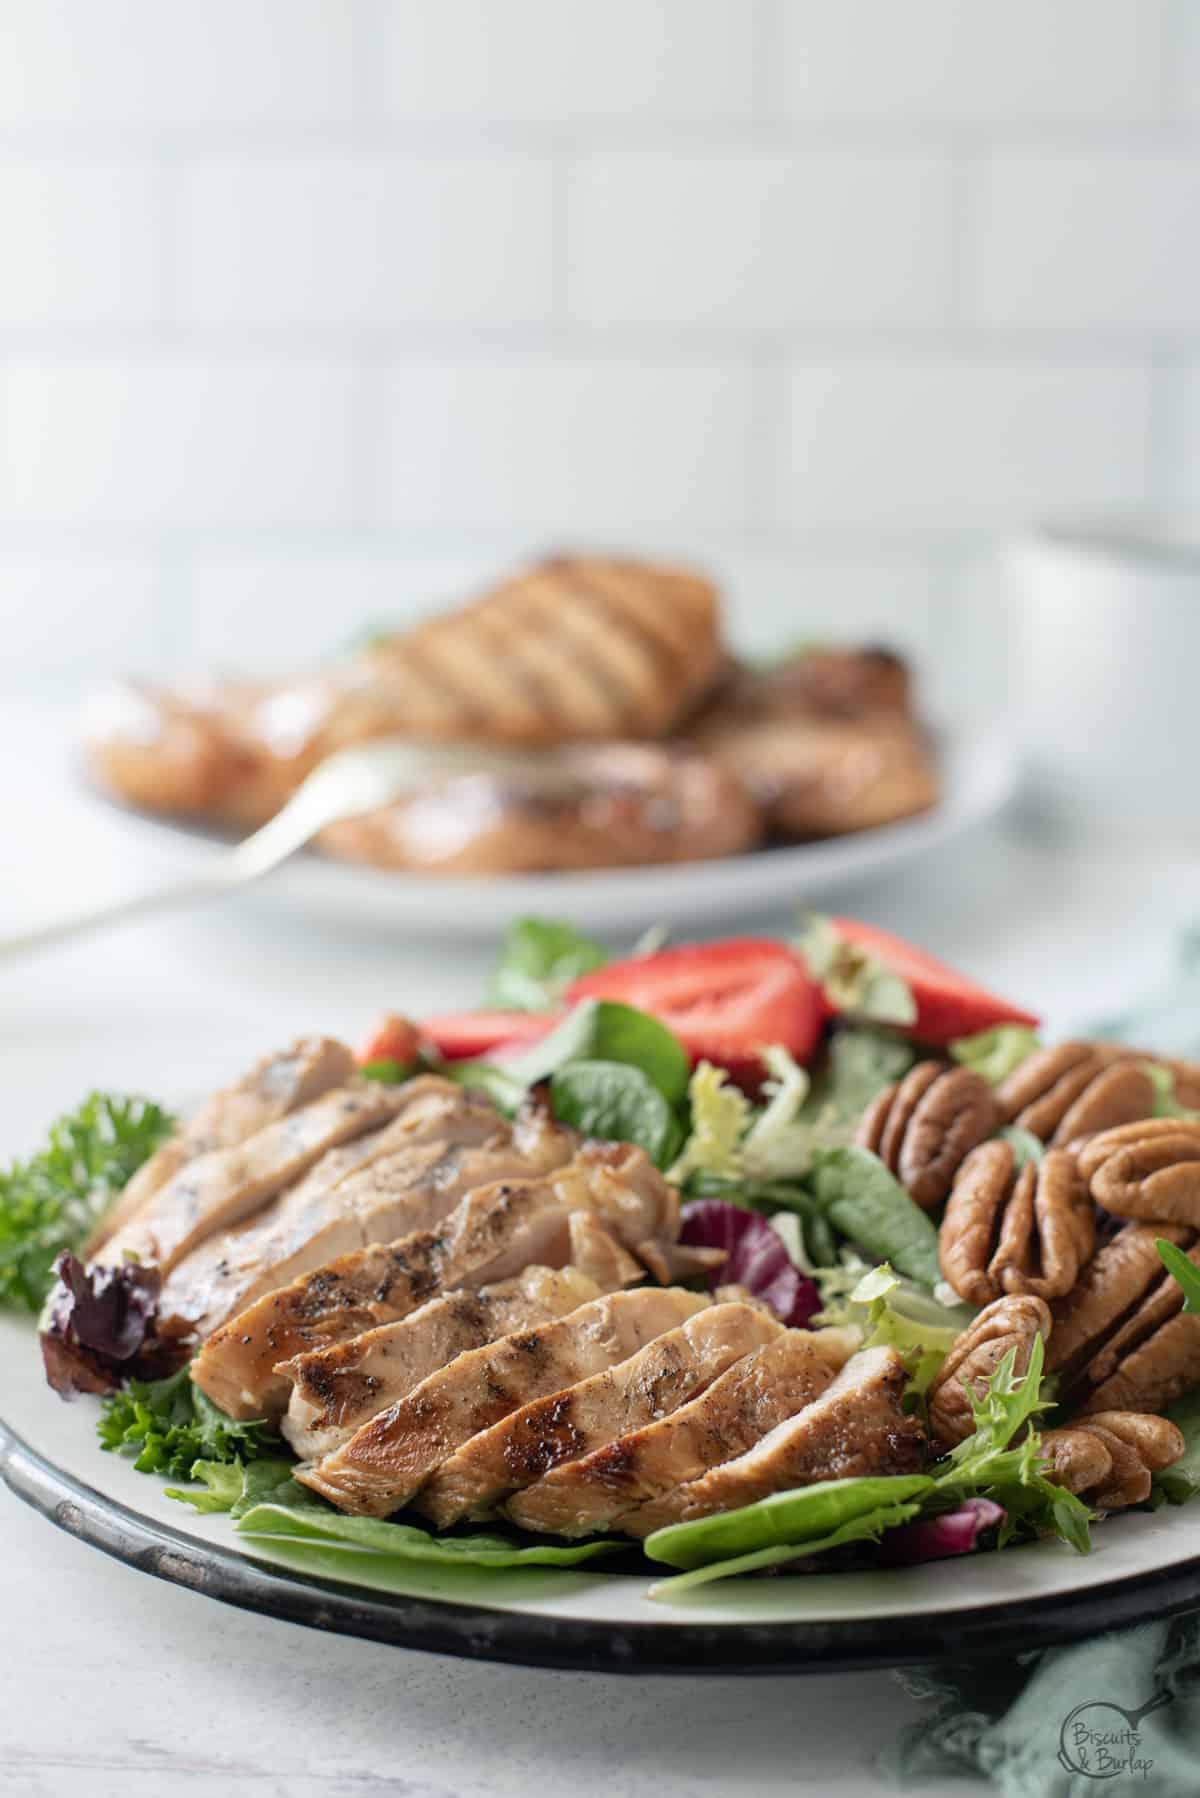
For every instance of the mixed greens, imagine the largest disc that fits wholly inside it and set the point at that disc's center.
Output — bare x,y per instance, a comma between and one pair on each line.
767,1167
50,1203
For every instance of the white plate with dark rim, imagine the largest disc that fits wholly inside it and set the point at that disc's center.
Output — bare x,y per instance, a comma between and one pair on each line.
979,771
1143,1565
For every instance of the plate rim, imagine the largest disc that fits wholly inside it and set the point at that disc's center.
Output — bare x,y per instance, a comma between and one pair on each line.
531,1639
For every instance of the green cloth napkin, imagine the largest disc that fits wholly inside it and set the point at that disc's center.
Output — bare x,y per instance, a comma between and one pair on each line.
1011,1721
1043,1726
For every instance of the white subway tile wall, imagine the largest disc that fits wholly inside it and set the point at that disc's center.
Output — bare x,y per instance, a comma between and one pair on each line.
315,313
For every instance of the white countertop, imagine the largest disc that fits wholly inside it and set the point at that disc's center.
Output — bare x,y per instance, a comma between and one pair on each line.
114,1684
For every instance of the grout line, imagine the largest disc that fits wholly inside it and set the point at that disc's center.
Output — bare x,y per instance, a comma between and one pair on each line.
366,132
672,343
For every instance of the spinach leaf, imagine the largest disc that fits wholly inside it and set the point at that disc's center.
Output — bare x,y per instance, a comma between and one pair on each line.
865,1528
538,960
784,1520
604,1030
373,1536
613,1100
995,1053
868,1206
861,1060
168,1425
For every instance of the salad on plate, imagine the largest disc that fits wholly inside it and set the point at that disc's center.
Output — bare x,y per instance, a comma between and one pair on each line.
717,1259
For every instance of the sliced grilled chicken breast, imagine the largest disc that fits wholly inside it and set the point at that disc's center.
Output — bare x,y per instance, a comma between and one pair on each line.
407,1176
218,1189
335,1391
549,1431
855,1427
734,1412
278,1084
492,1234
385,1462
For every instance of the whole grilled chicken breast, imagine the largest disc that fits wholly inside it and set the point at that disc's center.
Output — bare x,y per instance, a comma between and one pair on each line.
576,648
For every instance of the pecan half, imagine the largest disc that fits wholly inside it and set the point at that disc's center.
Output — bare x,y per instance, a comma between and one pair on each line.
1076,1088
1010,1230
1009,1323
1121,1341
1110,1457
925,1126
1149,1169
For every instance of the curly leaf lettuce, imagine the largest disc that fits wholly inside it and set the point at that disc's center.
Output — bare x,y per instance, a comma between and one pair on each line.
167,1426
50,1204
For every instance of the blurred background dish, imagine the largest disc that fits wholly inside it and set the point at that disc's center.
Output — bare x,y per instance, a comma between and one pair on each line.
656,744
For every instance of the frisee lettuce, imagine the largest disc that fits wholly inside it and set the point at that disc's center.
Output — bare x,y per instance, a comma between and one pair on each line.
53,1201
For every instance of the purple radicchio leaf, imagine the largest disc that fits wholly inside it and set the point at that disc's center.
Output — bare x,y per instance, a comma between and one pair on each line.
97,1323
755,1258
935,1538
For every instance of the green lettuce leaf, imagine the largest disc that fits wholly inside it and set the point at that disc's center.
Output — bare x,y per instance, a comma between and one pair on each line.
237,1486
539,959
53,1201
373,1536
868,1206
996,1053
896,1313
166,1426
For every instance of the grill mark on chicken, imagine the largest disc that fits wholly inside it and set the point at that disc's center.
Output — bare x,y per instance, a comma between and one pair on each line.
218,1189
542,1434
760,1390
855,1427
275,1085
491,1234
388,1460
617,703
403,1176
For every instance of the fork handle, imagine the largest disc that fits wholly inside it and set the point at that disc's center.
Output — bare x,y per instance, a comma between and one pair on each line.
120,911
